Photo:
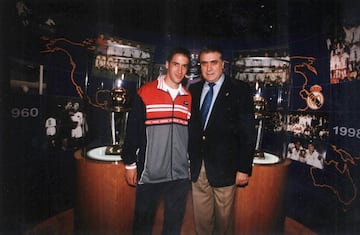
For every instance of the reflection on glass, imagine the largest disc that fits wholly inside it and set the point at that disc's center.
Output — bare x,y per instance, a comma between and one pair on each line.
267,73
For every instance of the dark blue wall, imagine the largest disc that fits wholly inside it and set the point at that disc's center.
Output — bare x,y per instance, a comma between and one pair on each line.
37,183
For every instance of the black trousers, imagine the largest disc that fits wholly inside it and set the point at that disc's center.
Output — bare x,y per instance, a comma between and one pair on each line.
174,194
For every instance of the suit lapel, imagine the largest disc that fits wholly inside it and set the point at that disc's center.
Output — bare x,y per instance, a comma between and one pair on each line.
197,91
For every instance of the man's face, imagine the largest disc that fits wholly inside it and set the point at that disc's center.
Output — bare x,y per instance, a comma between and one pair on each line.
176,69
212,66
76,106
68,105
311,148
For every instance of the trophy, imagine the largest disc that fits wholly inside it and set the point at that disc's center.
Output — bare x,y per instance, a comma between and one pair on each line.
194,68
119,107
260,111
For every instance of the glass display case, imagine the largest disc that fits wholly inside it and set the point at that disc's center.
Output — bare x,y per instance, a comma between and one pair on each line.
269,79
116,74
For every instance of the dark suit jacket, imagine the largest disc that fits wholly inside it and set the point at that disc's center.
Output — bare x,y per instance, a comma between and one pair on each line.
227,145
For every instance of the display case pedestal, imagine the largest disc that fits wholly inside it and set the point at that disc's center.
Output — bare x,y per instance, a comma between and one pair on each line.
104,201
259,207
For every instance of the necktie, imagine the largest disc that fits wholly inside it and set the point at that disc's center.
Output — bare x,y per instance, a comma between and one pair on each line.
207,103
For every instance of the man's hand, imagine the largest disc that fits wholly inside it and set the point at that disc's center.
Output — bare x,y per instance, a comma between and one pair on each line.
242,179
131,176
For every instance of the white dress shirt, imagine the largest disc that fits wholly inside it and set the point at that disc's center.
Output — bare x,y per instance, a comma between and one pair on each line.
216,89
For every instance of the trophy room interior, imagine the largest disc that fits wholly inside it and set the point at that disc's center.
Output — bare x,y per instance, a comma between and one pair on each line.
62,119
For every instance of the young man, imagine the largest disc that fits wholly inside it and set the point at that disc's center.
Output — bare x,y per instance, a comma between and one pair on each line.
221,143
155,147
294,151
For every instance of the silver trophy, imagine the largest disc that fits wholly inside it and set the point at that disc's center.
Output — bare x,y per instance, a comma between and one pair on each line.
260,114
119,107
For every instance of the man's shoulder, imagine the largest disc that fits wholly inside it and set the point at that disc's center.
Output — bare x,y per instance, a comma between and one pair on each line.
195,84
240,87
148,87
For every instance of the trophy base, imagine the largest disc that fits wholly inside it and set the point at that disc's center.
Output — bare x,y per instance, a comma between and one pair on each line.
113,150
259,154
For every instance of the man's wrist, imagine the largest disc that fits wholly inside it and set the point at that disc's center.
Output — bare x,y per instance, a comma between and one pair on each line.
130,166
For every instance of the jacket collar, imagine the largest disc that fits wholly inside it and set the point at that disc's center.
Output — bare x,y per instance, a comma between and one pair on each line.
162,86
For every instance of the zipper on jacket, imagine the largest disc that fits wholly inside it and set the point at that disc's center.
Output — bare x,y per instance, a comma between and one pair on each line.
172,137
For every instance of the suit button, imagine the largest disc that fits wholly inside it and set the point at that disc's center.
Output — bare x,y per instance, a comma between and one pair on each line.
203,137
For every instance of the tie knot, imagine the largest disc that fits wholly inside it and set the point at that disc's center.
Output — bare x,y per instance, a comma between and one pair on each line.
211,84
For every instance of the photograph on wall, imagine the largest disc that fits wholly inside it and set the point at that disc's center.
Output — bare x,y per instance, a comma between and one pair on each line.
344,52
65,123
308,125
312,153
114,55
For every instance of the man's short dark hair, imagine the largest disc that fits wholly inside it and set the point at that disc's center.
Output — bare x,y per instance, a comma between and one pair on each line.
178,50
212,48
